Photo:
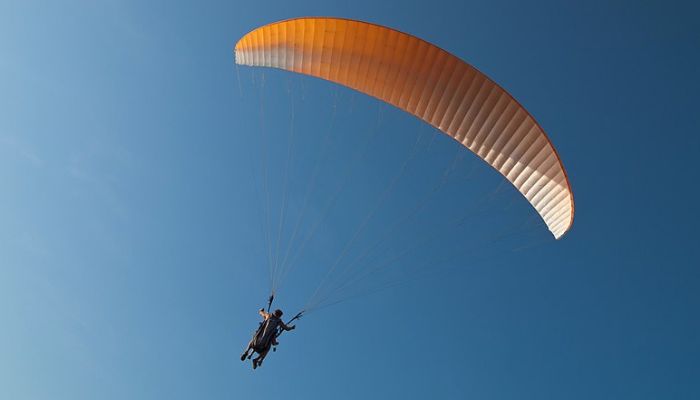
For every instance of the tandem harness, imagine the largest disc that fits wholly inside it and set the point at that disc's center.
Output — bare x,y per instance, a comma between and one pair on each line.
269,330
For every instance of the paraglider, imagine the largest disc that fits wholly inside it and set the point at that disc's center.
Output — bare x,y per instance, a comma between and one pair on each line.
429,83
265,337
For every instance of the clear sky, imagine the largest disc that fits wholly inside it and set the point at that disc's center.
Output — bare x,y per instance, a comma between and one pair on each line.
133,250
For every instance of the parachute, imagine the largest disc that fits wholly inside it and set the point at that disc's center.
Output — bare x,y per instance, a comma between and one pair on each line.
433,85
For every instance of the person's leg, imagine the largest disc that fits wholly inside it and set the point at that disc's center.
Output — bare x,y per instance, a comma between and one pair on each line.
259,359
247,349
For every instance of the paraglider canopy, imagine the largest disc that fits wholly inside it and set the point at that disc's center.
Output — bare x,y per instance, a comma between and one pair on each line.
433,85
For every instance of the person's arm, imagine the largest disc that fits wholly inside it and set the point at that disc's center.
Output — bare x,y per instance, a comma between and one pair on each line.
287,327
263,313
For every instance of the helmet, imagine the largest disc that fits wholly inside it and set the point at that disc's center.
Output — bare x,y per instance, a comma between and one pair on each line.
278,313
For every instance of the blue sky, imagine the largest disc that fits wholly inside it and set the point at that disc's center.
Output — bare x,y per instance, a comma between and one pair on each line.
133,252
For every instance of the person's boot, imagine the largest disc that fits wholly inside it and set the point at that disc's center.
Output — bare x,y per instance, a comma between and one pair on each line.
244,355
255,363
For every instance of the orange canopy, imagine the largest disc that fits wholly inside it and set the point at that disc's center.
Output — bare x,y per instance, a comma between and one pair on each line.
431,84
